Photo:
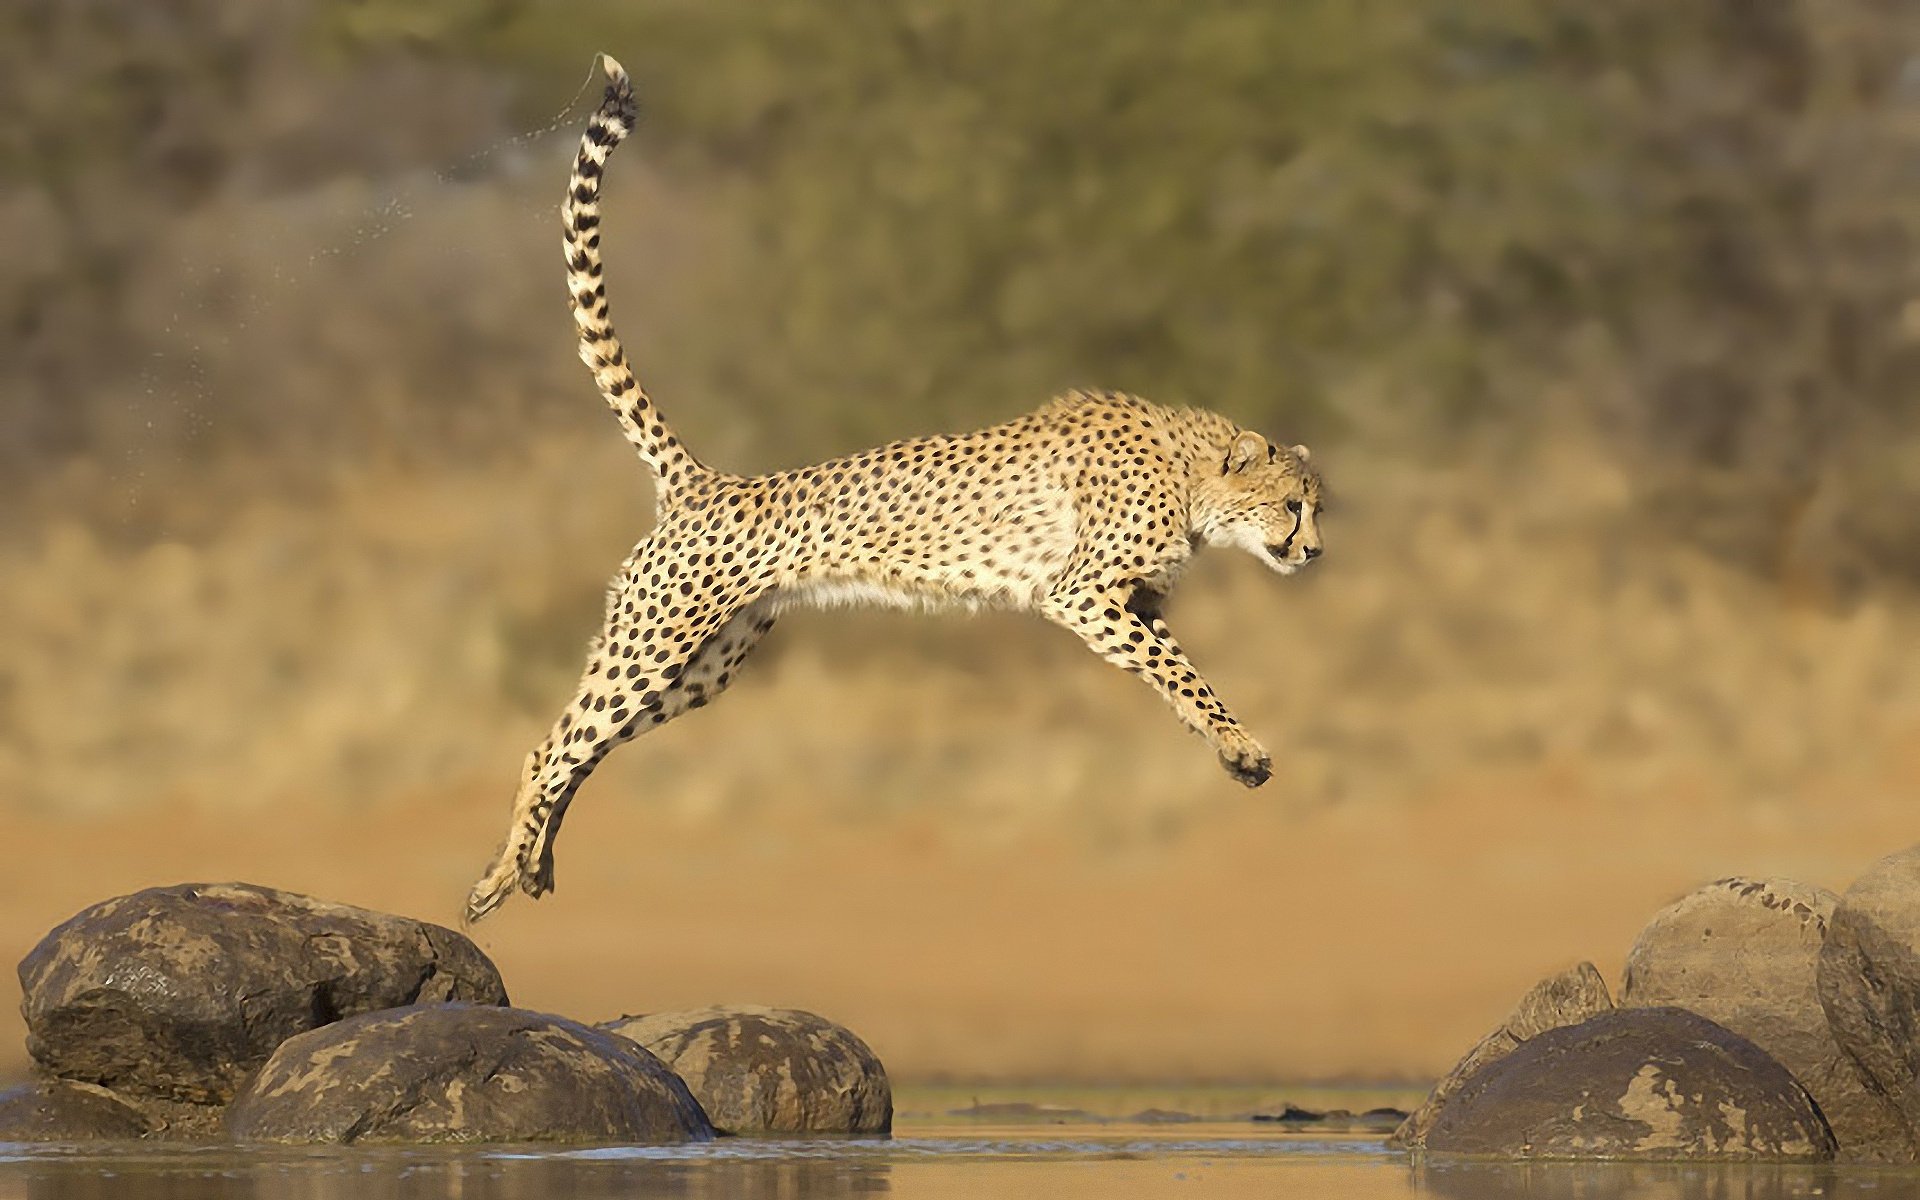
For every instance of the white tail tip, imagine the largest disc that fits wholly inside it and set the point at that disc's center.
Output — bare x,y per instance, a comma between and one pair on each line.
612,66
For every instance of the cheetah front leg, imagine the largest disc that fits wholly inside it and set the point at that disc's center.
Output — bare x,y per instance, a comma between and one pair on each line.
1122,624
611,708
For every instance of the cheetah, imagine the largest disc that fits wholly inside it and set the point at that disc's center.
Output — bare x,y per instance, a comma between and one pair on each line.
1084,511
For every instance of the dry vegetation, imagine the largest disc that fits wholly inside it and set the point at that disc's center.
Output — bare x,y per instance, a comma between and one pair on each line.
401,629
1604,324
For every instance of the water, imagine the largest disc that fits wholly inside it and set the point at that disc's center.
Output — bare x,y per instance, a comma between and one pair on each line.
1065,1162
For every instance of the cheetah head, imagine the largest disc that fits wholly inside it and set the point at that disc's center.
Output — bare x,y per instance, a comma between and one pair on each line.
1263,499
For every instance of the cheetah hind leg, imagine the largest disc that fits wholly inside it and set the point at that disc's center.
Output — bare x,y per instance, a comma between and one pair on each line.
708,672
525,861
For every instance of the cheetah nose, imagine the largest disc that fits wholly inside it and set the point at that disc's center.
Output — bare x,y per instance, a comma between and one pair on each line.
1310,552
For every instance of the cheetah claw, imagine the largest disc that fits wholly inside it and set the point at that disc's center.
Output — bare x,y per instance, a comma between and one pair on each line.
492,890
1251,769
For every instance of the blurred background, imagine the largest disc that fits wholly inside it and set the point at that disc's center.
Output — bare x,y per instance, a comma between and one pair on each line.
1603,320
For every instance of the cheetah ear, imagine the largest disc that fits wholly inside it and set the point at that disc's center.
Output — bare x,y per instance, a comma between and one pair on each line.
1249,448
1302,453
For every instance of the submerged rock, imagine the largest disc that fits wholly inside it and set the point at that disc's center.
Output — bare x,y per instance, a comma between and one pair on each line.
179,993
770,1070
1645,1083
1335,1120
56,1110
1869,983
458,1073
1566,998
1023,1111
1161,1116
1745,954
1290,1113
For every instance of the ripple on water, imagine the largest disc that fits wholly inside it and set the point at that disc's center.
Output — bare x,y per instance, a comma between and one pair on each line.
1222,1161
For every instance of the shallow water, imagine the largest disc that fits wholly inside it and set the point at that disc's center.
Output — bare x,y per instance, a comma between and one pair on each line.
1058,1161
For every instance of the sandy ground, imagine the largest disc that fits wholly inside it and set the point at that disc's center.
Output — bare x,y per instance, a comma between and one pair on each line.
1257,943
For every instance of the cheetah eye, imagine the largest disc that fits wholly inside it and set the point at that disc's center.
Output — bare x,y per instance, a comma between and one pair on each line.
1293,506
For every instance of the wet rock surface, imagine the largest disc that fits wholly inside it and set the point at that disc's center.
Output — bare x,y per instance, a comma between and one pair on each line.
1646,1083
180,1121
770,1070
179,993
1565,998
1745,953
1868,980
461,1073
56,1110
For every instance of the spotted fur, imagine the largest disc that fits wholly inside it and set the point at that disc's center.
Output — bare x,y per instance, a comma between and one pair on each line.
1084,512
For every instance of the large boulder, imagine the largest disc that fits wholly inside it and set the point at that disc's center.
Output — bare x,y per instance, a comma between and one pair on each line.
1745,953
1641,1083
770,1070
458,1073
179,993
1566,998
1869,982
56,1110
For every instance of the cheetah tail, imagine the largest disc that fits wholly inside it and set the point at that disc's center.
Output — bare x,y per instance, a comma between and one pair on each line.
600,346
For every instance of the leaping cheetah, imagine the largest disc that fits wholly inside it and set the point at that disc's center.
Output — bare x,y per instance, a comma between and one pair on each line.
1084,512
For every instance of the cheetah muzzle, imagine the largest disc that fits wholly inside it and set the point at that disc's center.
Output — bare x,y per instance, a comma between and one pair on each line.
1084,511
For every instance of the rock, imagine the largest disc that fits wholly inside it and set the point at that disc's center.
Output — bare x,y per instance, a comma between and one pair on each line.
181,1121
1637,1083
180,993
1334,1120
1745,953
460,1073
1022,1111
1869,983
770,1070
56,1110
1562,999
1161,1116
1378,1120
1290,1113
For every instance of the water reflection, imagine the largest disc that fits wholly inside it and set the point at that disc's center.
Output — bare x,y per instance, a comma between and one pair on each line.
374,1175
1221,1163
1649,1181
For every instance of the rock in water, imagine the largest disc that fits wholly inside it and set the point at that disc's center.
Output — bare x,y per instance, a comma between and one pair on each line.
1639,1083
56,1110
179,993
1567,998
1869,982
458,1073
1745,953
770,1070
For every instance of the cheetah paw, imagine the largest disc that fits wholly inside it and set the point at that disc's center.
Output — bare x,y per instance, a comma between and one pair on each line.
493,889
1249,764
